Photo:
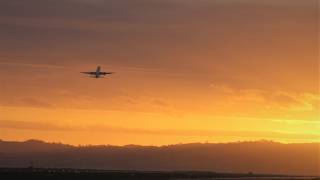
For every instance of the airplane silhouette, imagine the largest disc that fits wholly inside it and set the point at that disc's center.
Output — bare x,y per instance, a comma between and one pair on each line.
98,73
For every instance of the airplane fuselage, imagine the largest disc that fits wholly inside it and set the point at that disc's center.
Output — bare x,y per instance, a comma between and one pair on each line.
98,72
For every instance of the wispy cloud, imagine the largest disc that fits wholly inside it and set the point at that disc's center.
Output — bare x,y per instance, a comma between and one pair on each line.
39,126
284,100
33,65
26,125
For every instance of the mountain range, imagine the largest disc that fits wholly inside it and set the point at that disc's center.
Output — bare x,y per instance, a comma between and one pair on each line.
238,157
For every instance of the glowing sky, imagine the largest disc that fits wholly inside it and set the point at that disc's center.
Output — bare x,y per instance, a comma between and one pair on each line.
186,71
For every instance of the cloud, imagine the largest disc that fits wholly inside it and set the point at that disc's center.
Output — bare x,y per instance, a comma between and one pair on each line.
32,102
39,126
291,101
33,65
26,102
27,125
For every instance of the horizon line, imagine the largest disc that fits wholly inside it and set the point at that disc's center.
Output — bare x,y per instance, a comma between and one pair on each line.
189,143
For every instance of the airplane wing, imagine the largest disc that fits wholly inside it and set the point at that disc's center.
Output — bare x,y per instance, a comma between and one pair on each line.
105,73
91,73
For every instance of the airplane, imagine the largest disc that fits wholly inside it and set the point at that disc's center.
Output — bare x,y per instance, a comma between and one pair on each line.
98,73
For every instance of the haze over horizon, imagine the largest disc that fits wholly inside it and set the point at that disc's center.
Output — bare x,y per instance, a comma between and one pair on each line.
262,141
186,71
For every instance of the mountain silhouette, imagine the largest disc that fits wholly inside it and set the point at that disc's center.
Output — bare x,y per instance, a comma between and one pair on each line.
240,157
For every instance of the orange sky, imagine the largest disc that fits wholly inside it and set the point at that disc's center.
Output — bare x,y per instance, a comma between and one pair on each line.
186,71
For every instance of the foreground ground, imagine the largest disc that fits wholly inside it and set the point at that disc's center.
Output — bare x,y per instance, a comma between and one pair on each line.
38,173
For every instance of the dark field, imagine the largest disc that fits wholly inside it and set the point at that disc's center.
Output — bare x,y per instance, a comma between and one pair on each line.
35,173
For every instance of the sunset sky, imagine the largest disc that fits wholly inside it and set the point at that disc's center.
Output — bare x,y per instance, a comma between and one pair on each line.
186,71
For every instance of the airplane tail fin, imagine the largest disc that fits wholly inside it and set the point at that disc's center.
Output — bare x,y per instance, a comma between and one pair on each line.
98,69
